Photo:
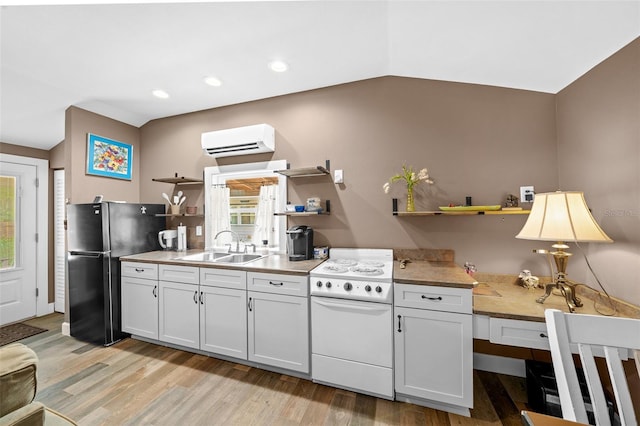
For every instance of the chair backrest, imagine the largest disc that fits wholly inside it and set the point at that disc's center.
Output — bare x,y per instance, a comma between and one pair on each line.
599,334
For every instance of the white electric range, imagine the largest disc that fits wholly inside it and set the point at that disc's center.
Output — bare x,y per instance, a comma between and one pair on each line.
352,321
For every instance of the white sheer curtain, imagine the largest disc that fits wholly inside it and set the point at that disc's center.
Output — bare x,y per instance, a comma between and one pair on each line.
265,222
220,214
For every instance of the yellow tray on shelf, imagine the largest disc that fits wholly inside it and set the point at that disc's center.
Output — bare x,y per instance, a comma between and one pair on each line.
470,208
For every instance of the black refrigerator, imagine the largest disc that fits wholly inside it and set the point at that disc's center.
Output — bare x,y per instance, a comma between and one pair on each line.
97,235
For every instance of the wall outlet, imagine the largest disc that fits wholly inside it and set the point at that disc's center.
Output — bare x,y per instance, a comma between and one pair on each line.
338,176
526,194
198,231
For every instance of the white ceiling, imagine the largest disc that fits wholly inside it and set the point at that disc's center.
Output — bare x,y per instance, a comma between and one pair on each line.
107,58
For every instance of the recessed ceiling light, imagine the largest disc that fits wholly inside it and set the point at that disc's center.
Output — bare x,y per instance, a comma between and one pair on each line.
213,81
158,93
278,66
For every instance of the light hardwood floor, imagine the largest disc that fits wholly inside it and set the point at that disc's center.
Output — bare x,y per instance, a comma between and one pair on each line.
134,382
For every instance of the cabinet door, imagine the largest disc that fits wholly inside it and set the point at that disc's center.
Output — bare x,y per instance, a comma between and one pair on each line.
139,299
434,355
223,321
279,330
179,314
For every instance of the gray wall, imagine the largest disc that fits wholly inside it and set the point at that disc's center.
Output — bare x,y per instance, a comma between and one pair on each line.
476,140
599,153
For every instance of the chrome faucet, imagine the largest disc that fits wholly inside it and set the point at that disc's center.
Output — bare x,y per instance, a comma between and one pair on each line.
237,240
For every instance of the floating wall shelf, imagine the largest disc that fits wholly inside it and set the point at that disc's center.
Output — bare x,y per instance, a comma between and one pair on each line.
455,213
306,171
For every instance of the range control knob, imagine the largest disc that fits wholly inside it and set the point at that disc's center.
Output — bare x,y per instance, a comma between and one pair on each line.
328,284
367,288
348,286
378,289
319,283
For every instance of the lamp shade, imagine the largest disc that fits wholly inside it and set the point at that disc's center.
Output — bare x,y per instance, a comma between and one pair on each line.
562,216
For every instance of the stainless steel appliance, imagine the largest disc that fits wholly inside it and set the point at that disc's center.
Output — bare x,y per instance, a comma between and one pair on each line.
352,321
97,235
300,243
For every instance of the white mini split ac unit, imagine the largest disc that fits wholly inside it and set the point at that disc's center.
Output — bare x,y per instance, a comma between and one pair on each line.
239,141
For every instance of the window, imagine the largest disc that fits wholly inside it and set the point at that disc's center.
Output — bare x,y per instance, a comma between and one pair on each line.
8,203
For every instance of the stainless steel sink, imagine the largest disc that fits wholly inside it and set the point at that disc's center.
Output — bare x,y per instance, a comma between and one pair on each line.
221,257
239,258
203,257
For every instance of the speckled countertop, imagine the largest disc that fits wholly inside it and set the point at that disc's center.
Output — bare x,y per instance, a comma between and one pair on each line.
274,263
424,272
502,296
497,295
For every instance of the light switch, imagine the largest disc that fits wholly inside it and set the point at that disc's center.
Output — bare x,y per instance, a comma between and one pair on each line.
338,177
198,231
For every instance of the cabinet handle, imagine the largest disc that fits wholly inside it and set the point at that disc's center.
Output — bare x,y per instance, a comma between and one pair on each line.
399,324
432,298
201,302
278,284
155,291
249,305
139,269
195,297
544,336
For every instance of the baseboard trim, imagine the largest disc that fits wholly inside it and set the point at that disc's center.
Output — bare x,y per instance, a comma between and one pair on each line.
66,329
499,364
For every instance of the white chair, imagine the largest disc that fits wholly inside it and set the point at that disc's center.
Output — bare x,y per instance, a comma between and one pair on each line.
591,334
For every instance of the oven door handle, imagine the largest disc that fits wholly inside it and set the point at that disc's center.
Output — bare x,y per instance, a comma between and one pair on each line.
350,307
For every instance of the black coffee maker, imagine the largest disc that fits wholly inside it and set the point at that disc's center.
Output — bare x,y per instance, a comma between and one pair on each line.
300,242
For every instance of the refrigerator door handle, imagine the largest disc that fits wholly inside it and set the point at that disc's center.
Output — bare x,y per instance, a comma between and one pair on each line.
94,254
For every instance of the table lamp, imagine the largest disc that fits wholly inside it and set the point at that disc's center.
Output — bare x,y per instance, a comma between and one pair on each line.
561,216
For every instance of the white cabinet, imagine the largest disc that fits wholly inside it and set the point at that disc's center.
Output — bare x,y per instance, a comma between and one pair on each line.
179,318
434,347
139,299
210,309
223,312
278,323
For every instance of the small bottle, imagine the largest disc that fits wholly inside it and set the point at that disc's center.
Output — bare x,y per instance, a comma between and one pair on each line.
182,237
265,246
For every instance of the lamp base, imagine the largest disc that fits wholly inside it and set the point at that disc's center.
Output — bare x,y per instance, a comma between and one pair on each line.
567,290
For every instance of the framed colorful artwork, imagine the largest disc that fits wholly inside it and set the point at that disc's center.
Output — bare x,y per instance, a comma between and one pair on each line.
108,158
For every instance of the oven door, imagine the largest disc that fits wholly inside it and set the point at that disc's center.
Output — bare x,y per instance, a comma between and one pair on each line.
352,345
352,330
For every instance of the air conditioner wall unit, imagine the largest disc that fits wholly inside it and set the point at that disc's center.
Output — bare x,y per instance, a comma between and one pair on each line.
254,139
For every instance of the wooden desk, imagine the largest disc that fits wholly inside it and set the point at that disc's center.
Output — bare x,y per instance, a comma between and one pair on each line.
529,418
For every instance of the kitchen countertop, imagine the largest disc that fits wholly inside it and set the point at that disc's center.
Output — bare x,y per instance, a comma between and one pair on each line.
424,272
274,263
501,295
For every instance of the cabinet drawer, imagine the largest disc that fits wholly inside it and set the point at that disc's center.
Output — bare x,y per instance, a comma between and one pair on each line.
139,270
179,274
294,285
433,297
526,334
226,278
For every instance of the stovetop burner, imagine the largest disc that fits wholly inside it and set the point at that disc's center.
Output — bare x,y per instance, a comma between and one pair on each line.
335,268
343,262
366,270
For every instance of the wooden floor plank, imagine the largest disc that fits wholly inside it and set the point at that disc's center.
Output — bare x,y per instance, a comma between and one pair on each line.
137,383
500,400
341,408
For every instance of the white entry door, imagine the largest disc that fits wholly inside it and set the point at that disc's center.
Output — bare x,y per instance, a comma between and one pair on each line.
18,233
